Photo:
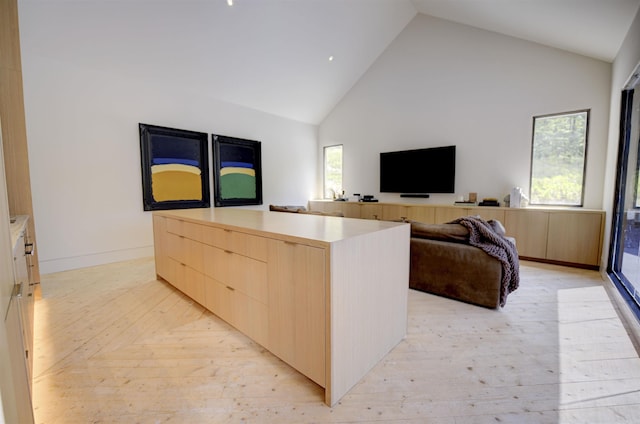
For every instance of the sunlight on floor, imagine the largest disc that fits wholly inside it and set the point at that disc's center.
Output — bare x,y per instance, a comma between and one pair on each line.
594,377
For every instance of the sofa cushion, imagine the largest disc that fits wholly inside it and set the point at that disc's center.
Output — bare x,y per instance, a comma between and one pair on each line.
294,209
446,232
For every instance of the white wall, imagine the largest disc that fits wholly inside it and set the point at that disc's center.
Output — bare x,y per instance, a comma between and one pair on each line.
441,83
627,59
84,151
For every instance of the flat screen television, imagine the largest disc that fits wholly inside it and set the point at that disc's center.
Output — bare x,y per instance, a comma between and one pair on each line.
419,171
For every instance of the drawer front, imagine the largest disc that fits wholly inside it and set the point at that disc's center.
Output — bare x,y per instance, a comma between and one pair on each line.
176,248
174,226
217,298
186,251
236,271
186,279
250,316
186,229
233,241
193,284
175,273
243,312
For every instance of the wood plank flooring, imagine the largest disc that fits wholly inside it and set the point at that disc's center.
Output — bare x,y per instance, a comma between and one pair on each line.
114,345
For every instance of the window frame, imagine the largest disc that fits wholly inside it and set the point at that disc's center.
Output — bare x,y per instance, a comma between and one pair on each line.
584,161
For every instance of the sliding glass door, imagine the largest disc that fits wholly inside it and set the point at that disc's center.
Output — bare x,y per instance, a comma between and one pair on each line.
624,257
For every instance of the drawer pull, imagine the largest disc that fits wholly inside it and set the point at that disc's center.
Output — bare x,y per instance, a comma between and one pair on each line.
231,288
227,251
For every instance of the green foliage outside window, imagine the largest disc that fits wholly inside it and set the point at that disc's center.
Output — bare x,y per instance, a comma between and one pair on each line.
558,159
332,171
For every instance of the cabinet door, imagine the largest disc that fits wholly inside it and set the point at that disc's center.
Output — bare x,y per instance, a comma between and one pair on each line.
575,237
423,214
297,307
448,214
18,362
351,210
370,211
394,212
487,213
529,228
317,205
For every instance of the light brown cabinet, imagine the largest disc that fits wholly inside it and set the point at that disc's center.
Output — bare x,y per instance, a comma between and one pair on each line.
295,283
567,236
530,228
575,237
297,307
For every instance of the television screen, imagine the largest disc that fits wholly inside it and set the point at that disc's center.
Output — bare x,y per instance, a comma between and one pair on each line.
420,171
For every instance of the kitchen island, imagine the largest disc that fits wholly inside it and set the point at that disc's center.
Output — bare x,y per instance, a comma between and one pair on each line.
327,295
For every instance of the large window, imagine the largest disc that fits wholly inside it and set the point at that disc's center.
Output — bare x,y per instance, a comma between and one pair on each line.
332,172
558,158
624,248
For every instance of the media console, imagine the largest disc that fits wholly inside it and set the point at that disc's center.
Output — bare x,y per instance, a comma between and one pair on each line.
327,295
567,236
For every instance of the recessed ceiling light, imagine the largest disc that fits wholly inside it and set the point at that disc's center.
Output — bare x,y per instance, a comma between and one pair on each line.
330,58
230,2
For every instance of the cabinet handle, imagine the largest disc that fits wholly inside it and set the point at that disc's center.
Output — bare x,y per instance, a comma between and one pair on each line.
290,243
231,288
227,251
29,249
17,290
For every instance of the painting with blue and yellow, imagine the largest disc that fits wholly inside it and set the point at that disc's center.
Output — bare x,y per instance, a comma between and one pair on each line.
237,172
175,169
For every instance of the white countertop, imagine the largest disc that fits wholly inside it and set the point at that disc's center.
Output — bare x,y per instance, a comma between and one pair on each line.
326,229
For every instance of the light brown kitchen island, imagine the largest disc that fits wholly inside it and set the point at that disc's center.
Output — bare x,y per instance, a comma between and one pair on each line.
327,295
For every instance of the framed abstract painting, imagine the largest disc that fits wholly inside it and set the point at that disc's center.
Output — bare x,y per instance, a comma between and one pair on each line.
175,168
237,170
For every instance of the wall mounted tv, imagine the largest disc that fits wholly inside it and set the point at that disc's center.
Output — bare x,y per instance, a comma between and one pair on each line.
418,172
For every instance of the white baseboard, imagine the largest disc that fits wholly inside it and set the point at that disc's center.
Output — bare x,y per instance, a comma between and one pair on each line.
65,264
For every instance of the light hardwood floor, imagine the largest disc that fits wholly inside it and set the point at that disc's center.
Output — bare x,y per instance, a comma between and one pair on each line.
113,344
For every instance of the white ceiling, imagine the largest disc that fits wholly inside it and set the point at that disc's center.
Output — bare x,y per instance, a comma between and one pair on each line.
594,28
273,55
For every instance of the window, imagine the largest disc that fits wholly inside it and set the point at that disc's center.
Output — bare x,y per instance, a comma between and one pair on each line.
332,171
624,248
558,158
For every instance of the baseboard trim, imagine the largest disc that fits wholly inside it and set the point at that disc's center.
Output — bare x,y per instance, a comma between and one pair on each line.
48,266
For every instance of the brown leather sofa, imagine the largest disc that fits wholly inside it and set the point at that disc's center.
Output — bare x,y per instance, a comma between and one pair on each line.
443,263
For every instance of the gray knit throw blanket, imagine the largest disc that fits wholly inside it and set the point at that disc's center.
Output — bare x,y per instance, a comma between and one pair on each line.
483,236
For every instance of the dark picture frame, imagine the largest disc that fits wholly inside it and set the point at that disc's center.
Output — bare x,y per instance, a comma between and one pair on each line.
175,168
237,171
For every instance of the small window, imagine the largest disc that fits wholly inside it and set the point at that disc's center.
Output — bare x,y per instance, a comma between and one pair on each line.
332,172
558,158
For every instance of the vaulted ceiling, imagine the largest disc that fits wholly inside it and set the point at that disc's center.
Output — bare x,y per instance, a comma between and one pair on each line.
274,55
